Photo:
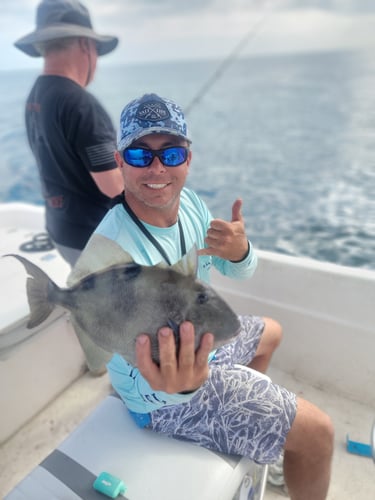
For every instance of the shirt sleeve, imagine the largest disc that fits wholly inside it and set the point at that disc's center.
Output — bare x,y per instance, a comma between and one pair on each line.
135,391
92,133
238,270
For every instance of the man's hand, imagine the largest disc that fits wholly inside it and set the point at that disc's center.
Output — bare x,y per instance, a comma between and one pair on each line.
225,239
185,372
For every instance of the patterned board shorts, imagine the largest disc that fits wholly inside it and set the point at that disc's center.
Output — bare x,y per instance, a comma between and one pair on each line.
235,411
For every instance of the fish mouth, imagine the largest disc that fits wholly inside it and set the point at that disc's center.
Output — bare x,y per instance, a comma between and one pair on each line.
175,329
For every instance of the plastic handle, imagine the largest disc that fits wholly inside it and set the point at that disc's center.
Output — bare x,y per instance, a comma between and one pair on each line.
109,485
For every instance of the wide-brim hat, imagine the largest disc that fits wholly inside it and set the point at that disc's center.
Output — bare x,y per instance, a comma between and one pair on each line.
63,19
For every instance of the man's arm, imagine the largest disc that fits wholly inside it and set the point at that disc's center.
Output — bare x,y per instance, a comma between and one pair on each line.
175,374
110,182
233,254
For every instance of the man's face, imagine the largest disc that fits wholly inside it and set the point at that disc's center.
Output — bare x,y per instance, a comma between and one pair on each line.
156,186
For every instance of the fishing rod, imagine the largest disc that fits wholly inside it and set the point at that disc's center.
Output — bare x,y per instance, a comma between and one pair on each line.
220,70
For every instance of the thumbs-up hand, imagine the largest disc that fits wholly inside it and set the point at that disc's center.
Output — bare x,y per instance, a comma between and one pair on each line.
227,239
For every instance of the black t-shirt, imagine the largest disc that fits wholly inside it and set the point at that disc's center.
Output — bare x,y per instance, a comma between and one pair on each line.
70,135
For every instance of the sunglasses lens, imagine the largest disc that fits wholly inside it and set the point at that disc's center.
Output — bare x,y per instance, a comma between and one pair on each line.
172,157
137,157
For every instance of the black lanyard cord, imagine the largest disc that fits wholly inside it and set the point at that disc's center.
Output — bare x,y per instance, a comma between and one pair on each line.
151,238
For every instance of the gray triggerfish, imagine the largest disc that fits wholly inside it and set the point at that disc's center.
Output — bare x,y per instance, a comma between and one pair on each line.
113,306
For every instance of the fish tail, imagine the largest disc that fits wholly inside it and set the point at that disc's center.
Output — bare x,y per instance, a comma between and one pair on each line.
39,287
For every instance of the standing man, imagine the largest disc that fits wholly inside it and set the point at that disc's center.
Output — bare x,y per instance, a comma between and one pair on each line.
70,134
202,396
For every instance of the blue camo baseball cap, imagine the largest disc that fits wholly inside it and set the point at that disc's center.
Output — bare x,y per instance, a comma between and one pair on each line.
150,114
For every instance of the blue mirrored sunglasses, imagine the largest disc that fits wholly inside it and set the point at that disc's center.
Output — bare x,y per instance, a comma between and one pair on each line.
141,157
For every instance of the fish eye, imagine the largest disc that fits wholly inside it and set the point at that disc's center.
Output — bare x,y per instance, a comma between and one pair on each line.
202,297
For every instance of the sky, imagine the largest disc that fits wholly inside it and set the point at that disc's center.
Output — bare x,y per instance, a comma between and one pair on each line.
157,30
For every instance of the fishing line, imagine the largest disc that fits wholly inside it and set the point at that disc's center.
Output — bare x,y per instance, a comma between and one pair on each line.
250,35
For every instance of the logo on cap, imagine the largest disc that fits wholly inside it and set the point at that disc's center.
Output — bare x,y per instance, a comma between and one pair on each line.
152,111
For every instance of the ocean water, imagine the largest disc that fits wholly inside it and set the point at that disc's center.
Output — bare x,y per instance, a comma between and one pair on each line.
292,135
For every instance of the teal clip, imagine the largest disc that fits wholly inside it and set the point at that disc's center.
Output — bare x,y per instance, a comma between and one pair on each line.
109,485
358,448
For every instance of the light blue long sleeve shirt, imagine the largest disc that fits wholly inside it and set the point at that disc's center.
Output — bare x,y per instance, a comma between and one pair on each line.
195,219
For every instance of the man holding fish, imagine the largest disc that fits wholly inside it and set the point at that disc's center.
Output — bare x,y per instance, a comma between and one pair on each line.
196,391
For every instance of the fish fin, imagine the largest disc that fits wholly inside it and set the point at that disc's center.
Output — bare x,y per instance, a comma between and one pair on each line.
38,286
100,253
188,265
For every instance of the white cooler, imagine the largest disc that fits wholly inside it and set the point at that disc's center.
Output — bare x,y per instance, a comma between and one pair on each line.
152,466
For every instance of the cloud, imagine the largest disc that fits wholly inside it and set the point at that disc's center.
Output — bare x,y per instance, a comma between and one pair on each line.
337,6
151,30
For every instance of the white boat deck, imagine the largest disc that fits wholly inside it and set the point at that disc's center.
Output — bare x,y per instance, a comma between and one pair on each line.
329,338
353,476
